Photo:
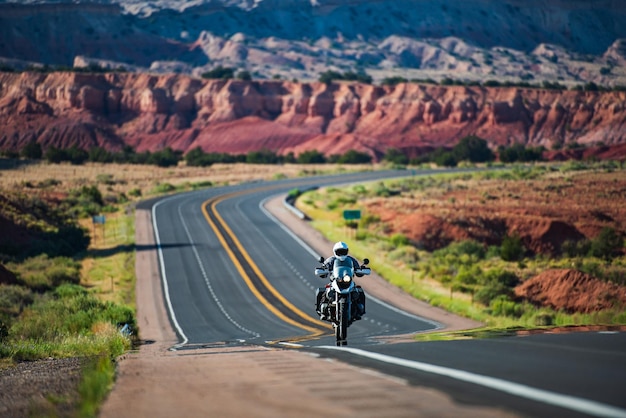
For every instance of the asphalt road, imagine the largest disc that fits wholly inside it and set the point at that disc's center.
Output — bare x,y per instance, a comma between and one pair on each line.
233,275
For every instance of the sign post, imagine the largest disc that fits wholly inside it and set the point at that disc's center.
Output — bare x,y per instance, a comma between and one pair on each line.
352,215
99,219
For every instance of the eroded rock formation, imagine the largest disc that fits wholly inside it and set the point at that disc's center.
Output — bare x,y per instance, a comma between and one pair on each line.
150,112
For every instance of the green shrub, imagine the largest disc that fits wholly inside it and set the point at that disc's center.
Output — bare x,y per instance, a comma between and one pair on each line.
105,178
361,235
490,292
367,220
43,273
136,192
543,318
163,188
512,248
606,244
468,247
573,248
49,183
468,276
263,156
503,306
573,165
219,72
472,148
351,157
311,157
396,156
445,159
405,254
167,157
67,311
591,267
70,291
13,300
399,240
499,276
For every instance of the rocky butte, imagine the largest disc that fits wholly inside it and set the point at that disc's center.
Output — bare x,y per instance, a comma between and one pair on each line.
150,112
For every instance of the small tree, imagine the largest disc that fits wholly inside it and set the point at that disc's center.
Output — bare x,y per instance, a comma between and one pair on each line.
244,75
445,159
220,72
264,156
392,81
327,77
311,157
32,151
165,158
395,156
512,248
354,157
474,149
197,158
54,155
76,156
606,244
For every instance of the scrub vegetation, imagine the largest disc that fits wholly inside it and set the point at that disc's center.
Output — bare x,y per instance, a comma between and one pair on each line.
468,242
67,284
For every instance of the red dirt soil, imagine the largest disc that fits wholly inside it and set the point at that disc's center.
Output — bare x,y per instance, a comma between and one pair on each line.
544,212
572,291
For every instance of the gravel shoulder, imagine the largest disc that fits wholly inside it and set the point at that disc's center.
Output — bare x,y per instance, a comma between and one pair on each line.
260,381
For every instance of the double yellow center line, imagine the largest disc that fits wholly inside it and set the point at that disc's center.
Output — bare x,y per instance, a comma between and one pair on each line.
252,275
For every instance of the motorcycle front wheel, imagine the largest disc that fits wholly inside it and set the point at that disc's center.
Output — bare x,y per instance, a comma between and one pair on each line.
341,328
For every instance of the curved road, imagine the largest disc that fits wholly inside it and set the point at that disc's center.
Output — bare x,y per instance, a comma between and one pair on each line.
233,275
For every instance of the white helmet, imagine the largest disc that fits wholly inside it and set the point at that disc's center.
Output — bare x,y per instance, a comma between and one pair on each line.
340,250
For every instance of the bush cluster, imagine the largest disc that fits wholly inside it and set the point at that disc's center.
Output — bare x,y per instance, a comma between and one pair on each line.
329,76
198,158
458,265
605,246
42,273
46,312
470,148
50,229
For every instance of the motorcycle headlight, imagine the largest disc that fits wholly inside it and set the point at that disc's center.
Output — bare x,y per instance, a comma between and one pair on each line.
347,279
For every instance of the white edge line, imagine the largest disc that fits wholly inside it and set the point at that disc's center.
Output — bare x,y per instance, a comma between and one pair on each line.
164,275
552,398
311,251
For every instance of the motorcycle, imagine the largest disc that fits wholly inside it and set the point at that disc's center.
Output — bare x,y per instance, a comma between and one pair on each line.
341,302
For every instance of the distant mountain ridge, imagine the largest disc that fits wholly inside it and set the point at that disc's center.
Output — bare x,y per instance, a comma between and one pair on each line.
570,41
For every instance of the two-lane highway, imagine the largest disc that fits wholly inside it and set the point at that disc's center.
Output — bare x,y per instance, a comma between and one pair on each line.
232,275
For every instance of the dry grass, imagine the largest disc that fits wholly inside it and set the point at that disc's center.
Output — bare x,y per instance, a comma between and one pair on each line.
108,268
125,177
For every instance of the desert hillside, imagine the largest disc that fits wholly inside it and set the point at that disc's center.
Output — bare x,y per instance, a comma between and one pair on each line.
574,41
150,112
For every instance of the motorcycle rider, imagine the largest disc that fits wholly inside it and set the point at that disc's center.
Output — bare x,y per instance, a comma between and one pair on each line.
340,252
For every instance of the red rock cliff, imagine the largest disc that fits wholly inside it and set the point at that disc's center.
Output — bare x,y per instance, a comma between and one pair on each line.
151,112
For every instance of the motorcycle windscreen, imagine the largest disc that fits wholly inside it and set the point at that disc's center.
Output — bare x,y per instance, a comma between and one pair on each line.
343,268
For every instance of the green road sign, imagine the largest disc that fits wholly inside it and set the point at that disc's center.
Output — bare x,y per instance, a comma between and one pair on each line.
351,215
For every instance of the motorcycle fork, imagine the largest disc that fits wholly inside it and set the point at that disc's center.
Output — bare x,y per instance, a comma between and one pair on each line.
336,303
